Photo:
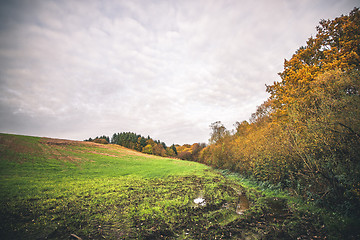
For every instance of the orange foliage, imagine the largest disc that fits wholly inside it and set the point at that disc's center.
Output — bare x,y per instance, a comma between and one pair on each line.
306,136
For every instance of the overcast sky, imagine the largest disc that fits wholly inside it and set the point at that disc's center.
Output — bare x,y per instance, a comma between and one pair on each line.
168,69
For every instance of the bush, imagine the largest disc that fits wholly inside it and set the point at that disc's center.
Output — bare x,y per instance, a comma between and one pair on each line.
101,141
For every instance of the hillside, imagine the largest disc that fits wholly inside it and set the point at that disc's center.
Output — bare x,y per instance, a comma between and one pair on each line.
61,189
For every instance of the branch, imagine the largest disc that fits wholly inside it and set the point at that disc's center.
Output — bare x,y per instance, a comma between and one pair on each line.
74,236
350,129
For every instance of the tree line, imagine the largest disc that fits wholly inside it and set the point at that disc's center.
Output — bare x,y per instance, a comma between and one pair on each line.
149,146
306,136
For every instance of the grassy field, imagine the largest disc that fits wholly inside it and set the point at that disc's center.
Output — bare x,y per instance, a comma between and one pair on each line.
60,189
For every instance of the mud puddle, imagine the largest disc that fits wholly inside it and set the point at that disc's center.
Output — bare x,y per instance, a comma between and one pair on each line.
239,206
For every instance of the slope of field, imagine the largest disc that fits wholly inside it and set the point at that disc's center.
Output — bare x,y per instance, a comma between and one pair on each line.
61,189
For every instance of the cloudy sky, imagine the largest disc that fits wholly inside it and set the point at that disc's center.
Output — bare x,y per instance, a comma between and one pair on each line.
164,68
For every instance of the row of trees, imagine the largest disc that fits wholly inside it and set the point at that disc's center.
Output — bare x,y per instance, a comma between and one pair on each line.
306,136
190,152
142,144
148,145
102,139
139,143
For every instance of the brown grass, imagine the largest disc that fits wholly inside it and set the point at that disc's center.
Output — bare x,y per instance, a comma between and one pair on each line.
15,144
54,145
55,148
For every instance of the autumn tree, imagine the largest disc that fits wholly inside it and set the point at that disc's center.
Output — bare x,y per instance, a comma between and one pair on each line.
336,46
218,132
189,152
306,136
100,140
325,135
158,149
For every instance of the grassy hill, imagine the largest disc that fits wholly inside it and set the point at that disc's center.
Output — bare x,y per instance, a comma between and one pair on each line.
61,189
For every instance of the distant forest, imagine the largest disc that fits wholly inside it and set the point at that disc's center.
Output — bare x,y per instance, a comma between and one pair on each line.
148,145
306,137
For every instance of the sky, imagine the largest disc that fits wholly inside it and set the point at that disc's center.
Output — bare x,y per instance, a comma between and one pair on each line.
164,68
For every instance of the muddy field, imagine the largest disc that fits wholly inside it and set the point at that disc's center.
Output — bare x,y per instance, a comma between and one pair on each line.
59,189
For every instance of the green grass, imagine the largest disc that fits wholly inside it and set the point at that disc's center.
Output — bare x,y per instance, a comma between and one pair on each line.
50,189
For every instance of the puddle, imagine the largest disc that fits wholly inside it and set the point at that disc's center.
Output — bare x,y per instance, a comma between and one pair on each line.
243,204
200,201
240,206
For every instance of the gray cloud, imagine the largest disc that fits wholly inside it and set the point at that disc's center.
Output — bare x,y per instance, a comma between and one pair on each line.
75,69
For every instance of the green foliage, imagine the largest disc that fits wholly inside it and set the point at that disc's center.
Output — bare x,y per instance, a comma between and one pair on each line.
148,149
137,142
